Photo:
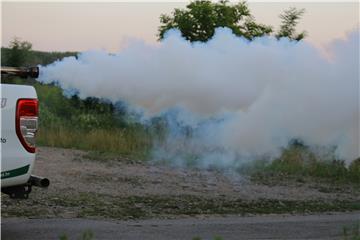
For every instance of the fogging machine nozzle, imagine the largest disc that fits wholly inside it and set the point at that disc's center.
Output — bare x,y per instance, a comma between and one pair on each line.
23,72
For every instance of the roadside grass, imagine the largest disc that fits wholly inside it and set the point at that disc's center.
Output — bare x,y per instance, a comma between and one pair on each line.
86,235
103,143
352,232
92,205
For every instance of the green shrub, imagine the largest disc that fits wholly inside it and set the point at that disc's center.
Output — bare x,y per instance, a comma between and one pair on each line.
301,161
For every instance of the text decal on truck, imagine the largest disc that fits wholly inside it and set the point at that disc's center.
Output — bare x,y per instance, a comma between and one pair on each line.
15,172
3,102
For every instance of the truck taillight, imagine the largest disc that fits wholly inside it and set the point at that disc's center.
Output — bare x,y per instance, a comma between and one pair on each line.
27,122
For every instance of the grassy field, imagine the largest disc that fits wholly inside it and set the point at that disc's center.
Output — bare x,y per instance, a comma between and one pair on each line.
134,142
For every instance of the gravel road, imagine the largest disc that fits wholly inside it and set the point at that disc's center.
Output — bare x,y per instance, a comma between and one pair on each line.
328,226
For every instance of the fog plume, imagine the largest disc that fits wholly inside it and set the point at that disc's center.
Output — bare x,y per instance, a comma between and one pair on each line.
241,100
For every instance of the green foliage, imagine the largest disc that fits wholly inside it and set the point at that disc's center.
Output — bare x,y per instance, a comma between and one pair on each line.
86,235
354,170
19,52
218,238
200,18
299,160
289,20
63,237
87,114
31,57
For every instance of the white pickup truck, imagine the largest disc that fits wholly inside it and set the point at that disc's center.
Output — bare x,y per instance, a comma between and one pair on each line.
19,123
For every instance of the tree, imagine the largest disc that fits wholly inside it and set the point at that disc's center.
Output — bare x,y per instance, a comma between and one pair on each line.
200,18
19,52
289,21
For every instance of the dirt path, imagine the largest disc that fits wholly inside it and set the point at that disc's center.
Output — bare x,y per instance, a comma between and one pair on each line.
231,227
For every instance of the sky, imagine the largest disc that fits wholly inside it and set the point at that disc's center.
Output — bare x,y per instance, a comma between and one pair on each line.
66,26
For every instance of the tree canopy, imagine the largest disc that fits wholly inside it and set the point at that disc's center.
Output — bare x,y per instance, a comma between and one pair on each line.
20,52
201,17
289,21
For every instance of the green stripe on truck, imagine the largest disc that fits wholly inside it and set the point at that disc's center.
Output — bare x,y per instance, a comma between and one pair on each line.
15,172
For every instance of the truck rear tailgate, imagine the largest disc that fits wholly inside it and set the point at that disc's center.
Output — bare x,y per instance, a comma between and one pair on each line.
16,161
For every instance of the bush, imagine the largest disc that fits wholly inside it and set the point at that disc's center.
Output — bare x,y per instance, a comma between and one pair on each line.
299,160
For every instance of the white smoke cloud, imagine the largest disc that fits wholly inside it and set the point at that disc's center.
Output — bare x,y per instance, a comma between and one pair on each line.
259,94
